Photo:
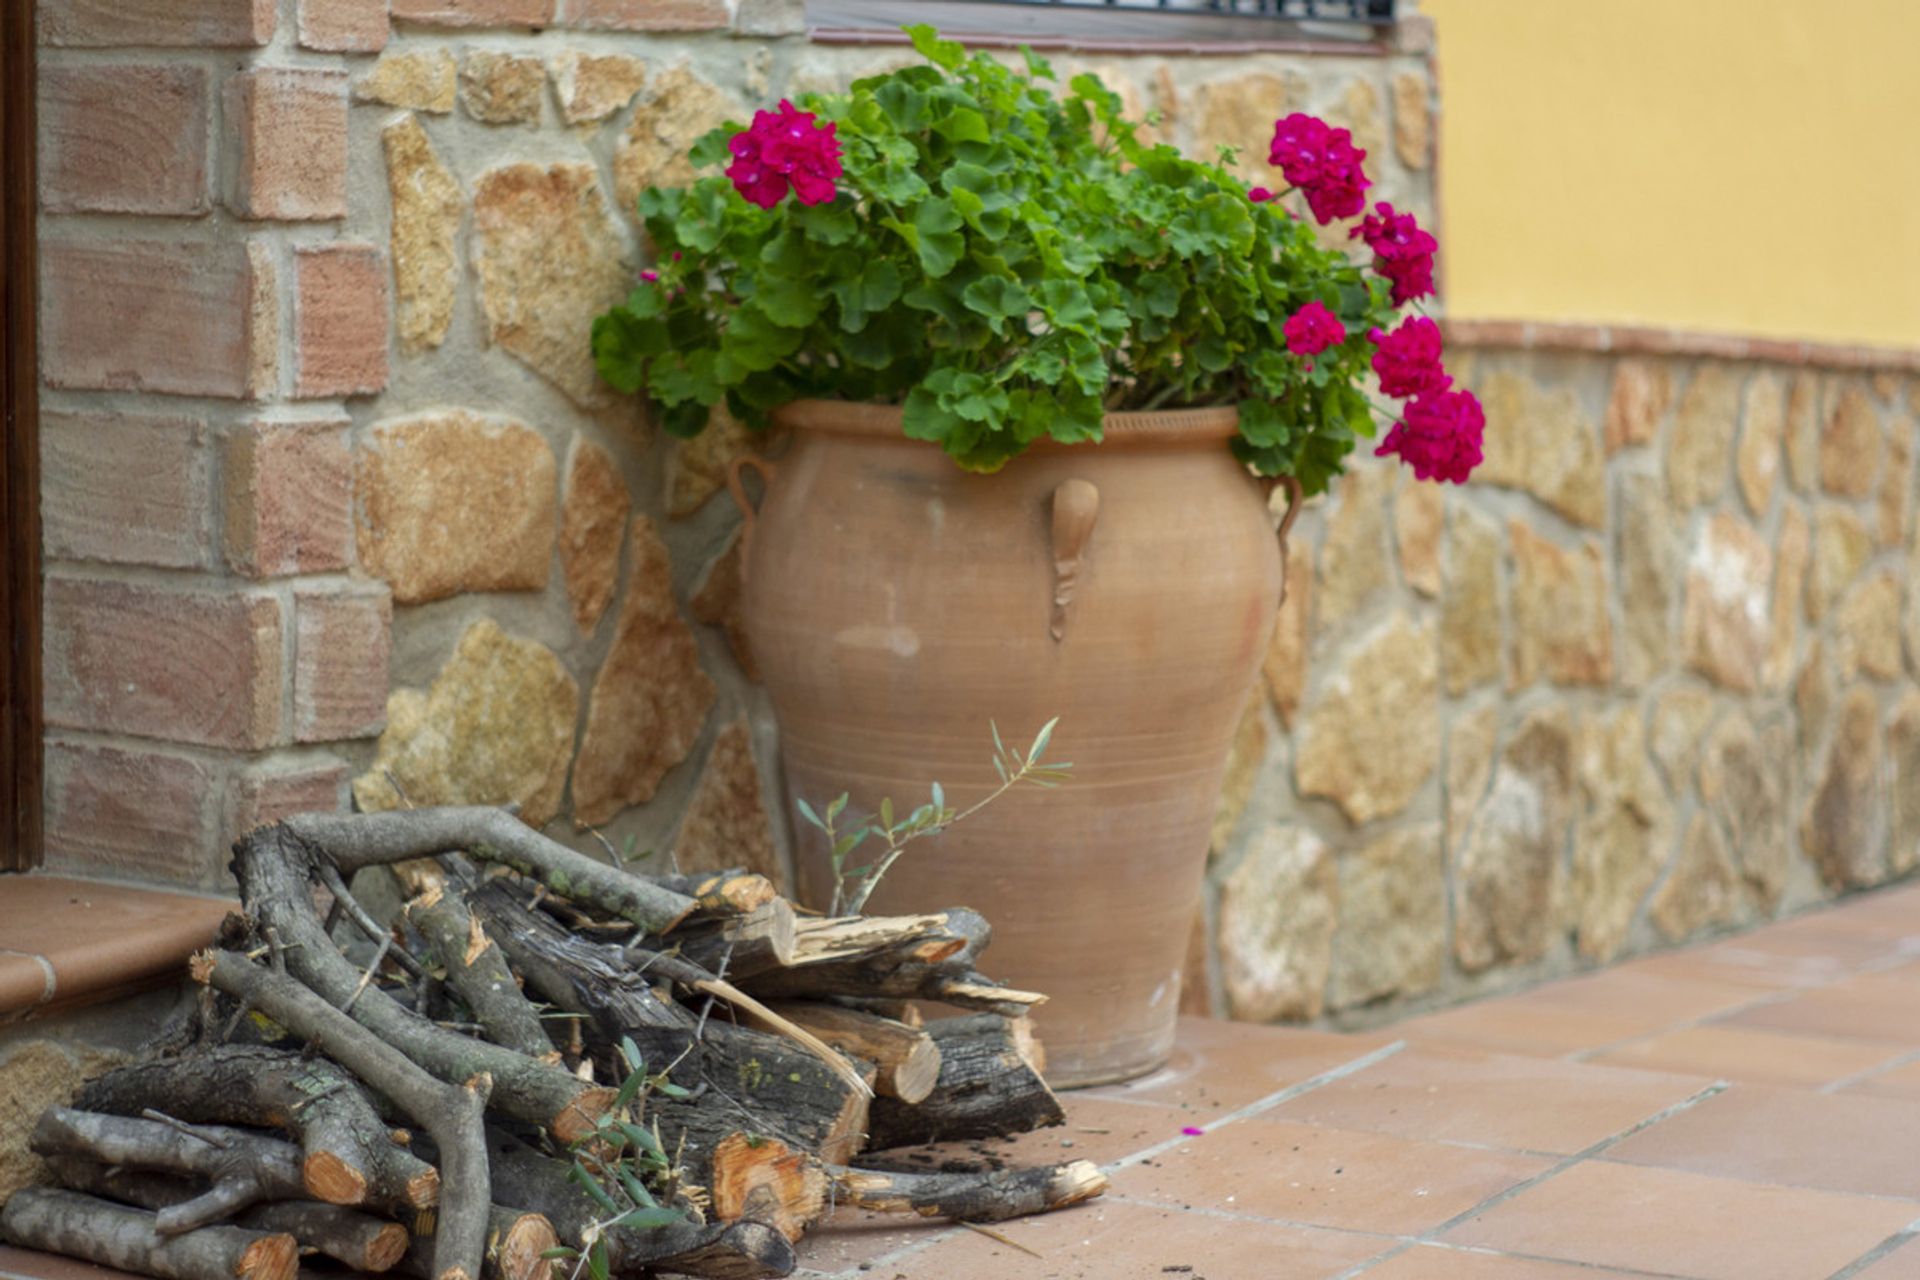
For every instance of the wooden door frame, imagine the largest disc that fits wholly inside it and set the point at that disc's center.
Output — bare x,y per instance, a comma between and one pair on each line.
20,719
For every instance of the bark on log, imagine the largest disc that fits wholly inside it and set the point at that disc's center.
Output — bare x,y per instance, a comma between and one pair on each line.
906,1060
353,841
242,1168
477,972
736,946
273,866
515,1240
744,1250
347,1156
988,1087
452,1114
722,893
769,1181
357,1240
114,1235
991,1196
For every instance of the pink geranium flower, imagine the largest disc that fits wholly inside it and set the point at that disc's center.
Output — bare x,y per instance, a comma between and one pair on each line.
1408,359
1439,437
1312,329
1259,195
783,150
1323,162
1402,252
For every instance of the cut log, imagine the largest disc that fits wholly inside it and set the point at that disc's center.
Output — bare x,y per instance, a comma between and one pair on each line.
358,1240
114,1235
825,939
906,1060
477,972
516,1239
347,1156
988,1087
990,1196
723,893
241,1168
357,840
452,1114
893,958
767,1180
273,866
736,946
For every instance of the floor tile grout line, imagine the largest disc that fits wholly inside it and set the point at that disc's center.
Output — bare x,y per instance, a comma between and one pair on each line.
1559,1262
1432,1235
1253,1108
1898,1060
1875,1254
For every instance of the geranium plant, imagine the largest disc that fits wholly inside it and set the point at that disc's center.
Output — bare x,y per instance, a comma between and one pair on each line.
1010,263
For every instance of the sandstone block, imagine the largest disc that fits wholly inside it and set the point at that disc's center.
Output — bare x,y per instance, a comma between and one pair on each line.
1470,615
1681,715
1623,835
1277,916
1650,565
646,15
475,13
340,320
289,131
1789,590
1393,916
726,825
502,88
1506,878
1841,548
417,79
127,812
1850,446
343,26
1803,431
125,488
1642,389
1744,782
699,467
716,602
592,87
1561,628
289,498
1542,441
1702,438
1249,751
1842,825
1703,889
1867,629
1412,120
1419,515
1727,628
593,521
426,217
125,138
216,24
680,108
267,791
1371,739
1757,463
342,639
1903,752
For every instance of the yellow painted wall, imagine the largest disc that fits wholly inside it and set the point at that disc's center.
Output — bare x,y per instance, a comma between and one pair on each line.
1740,165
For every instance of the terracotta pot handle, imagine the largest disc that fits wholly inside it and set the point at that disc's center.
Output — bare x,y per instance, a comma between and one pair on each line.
1294,501
1076,505
738,492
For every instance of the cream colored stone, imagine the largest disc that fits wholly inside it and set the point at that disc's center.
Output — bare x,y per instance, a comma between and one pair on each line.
1249,751
1841,548
700,464
1903,752
1757,463
651,696
1392,938
1680,715
36,1075
1470,742
1470,616
593,520
1813,697
549,261
1542,441
1911,619
426,218
726,825
1743,782
716,602
495,727
1803,431
1702,438
1867,629
1285,667
1372,738
1239,112
1727,629
1703,888
450,502
1359,113
1789,590
590,87
679,110
1843,824
1641,392
1354,568
502,88
1412,120
1561,629
1624,833
1650,566
1419,513
1506,878
419,80
1277,915
1850,446
1896,478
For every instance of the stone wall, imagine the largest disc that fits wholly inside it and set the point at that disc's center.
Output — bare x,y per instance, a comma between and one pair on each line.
1650,677
336,510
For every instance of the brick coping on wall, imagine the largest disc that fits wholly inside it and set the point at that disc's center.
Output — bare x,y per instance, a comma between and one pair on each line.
66,941
1537,335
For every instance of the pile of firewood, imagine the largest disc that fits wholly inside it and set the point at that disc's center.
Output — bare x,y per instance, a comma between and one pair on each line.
545,1066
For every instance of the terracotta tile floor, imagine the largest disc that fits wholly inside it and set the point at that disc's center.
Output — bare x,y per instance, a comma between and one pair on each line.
1745,1110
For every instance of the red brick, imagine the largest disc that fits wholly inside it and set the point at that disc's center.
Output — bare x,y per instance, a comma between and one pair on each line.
220,24
475,13
130,813
125,488
173,663
342,637
339,320
123,139
287,130
146,315
289,498
270,790
343,26
646,15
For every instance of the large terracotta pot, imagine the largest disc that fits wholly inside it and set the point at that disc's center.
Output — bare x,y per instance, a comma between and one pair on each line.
896,604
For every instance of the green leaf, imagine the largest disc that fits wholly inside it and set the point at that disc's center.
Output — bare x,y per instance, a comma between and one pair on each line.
711,149
905,105
597,1261
806,811
648,1217
838,807
864,288
928,44
1039,748
936,225
997,298
964,125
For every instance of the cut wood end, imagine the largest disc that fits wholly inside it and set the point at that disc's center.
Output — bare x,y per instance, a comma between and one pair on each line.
1072,1183
388,1246
913,1079
516,1255
423,1189
477,942
764,1179
934,950
1026,1043
575,1121
330,1179
274,1257
200,966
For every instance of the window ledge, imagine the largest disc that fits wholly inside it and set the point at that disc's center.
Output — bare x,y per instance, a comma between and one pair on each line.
65,941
